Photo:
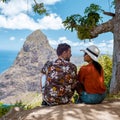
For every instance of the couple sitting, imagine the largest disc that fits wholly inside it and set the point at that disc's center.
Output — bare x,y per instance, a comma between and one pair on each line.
62,79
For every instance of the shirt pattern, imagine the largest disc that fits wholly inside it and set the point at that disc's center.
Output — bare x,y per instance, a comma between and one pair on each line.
60,83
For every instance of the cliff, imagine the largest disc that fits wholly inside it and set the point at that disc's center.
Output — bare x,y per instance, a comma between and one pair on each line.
24,75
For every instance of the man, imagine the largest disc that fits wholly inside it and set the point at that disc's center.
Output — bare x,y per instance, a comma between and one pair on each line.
61,78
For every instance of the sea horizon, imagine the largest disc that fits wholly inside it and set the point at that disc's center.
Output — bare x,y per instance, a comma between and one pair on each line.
7,58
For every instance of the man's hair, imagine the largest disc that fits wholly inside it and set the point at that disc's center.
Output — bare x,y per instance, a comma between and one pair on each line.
62,47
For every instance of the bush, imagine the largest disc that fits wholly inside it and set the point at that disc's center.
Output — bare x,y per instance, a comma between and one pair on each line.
4,108
36,101
106,62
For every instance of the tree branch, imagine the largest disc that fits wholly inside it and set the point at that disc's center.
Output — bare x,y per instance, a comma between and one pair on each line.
103,28
109,13
35,2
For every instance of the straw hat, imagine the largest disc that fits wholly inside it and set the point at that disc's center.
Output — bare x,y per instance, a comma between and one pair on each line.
93,52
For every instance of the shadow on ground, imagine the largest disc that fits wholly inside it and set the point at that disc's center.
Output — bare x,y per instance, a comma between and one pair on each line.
108,110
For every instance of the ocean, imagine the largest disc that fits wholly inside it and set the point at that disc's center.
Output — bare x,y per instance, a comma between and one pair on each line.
6,59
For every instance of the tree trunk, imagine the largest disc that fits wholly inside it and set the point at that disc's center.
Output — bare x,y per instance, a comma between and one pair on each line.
115,81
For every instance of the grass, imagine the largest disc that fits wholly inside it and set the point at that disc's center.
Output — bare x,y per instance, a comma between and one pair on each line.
29,101
113,96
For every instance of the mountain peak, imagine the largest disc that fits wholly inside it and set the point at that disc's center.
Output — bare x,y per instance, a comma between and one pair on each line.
24,75
36,36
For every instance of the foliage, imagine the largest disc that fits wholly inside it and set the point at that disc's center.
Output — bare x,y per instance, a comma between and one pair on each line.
19,104
83,25
113,3
106,63
4,109
75,97
39,8
113,96
36,101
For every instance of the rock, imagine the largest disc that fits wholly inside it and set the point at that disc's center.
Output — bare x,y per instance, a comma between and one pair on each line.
24,75
104,111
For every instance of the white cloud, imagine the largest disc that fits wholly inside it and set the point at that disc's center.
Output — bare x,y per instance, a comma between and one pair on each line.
110,41
22,39
14,16
105,48
23,21
49,2
12,38
20,21
51,22
63,40
14,7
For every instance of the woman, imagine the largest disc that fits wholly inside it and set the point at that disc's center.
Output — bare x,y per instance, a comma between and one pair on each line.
91,77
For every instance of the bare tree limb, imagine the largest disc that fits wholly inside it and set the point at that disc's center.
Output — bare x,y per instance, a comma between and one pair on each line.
103,28
109,13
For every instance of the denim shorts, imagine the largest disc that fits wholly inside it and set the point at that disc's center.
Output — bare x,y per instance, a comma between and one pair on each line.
92,98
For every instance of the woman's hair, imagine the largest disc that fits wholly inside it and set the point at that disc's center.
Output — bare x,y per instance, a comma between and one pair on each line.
62,47
97,66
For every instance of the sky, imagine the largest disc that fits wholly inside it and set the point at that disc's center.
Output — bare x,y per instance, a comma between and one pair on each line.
17,21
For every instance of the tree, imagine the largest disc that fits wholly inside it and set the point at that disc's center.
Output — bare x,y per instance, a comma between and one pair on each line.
88,27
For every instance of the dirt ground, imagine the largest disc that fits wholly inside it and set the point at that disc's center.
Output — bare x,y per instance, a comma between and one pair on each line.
108,110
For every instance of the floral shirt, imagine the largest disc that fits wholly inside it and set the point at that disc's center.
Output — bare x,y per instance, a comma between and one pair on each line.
60,83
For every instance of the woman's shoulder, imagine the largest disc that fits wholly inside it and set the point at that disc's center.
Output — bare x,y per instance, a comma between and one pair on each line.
85,66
